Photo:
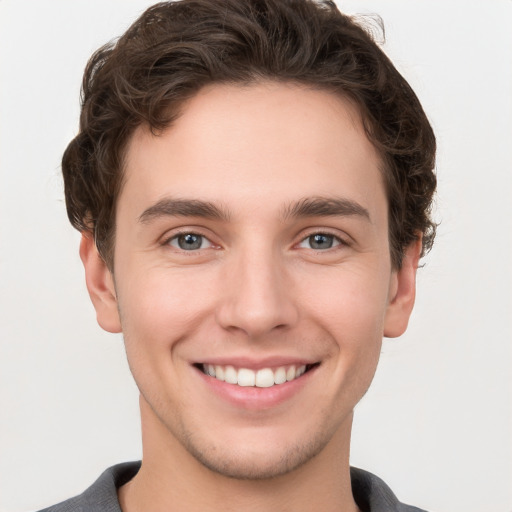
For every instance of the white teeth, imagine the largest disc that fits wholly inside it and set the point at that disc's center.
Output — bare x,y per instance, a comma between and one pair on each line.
246,377
230,375
219,372
263,378
280,375
290,373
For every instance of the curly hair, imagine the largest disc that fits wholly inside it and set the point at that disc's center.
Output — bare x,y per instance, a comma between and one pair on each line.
176,48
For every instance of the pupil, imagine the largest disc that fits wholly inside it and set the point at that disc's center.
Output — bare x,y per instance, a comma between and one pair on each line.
189,242
321,241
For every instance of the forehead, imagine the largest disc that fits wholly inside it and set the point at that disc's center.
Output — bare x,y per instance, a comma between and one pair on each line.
250,143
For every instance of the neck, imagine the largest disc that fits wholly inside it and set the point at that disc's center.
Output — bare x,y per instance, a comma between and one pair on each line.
170,478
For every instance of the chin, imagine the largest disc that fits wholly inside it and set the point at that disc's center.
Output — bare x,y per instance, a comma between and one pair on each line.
251,462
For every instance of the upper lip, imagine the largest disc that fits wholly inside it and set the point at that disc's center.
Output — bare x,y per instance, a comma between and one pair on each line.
256,364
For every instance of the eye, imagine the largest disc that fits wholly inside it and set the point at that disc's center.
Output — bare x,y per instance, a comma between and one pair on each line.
189,242
320,241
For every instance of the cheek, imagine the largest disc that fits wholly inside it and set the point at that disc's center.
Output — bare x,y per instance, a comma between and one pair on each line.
351,312
349,301
160,308
157,313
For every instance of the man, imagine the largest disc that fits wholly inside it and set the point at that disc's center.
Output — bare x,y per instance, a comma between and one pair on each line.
252,180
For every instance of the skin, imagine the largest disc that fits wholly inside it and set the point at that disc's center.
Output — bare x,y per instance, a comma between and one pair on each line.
256,289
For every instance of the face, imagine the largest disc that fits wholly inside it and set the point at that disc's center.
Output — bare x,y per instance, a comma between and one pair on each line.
253,281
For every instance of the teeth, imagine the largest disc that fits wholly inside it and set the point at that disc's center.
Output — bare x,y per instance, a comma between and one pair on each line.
280,375
290,373
219,372
230,375
300,371
263,378
246,377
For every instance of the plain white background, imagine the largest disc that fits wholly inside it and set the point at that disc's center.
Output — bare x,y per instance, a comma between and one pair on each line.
436,424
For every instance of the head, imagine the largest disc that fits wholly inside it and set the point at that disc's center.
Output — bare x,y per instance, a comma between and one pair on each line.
177,48
253,181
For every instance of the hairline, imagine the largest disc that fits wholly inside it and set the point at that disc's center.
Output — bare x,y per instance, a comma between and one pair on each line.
178,108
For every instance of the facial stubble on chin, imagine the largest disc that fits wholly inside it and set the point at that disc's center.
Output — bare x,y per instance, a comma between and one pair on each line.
241,465
236,465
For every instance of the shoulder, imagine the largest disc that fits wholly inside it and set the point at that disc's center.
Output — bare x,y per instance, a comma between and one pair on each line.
101,496
373,495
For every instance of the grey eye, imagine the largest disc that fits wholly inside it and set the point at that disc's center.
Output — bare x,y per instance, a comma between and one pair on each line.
189,242
320,241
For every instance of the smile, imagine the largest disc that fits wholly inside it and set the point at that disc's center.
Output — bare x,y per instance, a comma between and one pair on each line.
262,378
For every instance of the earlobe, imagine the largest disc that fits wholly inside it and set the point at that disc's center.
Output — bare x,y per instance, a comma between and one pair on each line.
100,284
402,292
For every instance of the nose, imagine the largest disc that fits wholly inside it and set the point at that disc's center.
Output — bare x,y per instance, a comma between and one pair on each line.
257,295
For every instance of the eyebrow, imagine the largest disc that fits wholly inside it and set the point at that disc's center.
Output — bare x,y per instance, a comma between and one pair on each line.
169,207
325,206
306,207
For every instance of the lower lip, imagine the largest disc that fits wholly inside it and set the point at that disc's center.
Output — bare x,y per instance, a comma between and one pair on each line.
252,397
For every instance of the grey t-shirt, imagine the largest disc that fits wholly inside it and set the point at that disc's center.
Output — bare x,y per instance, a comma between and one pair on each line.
370,493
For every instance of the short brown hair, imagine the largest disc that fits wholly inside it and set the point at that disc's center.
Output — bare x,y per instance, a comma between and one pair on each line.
176,48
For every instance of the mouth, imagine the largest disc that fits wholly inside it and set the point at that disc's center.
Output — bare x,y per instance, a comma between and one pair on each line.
261,378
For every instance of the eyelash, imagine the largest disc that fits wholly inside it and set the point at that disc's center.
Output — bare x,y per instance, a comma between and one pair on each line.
176,236
337,241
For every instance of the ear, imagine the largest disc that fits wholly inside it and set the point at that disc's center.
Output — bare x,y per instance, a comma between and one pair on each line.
100,284
402,292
